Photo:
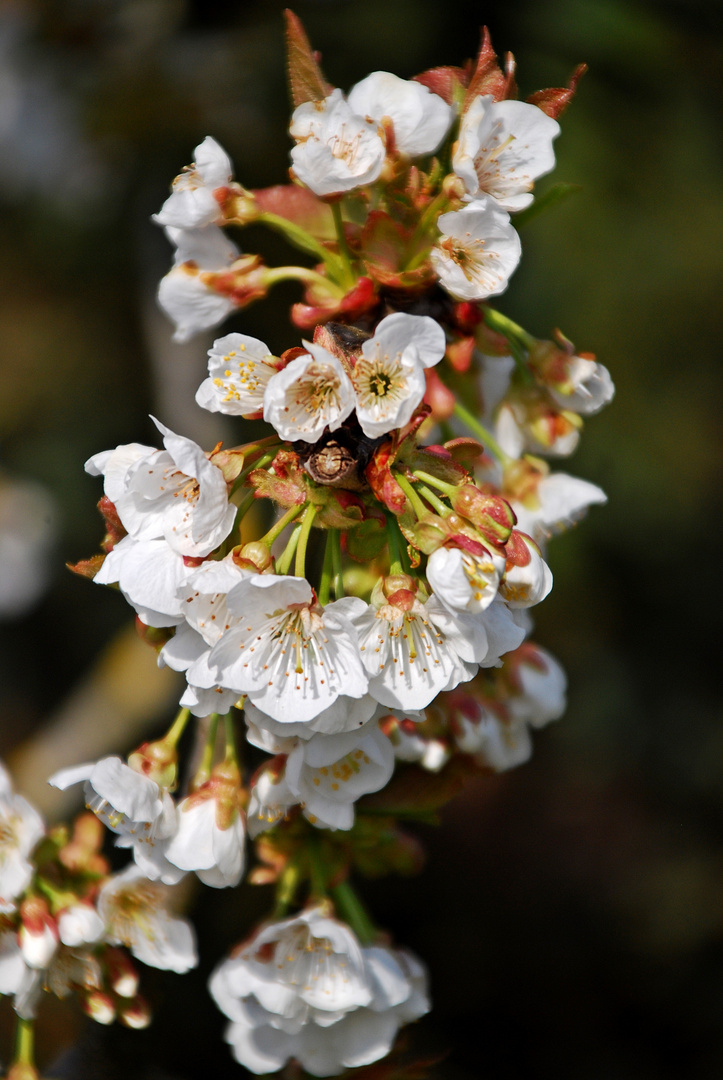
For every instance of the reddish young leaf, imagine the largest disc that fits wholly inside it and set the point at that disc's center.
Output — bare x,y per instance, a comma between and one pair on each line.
488,77
379,474
87,568
306,81
448,82
298,205
555,99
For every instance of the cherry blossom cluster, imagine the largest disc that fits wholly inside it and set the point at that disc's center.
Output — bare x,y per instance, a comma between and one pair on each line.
70,926
357,583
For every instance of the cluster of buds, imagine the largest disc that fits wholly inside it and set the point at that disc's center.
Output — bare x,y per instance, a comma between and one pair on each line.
358,582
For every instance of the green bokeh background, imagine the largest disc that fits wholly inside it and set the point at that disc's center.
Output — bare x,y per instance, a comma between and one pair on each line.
572,910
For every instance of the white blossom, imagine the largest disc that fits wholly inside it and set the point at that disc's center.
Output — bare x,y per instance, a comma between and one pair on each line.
79,924
292,657
202,601
311,393
346,714
527,579
149,573
498,742
413,650
270,800
113,466
336,150
184,293
503,147
537,430
420,118
478,251
464,581
329,772
16,978
239,369
388,377
556,502
192,203
179,495
210,836
134,913
539,687
135,807
305,988
588,386
21,827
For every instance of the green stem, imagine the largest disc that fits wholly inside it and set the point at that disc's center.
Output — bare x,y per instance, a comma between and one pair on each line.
317,870
243,507
336,563
300,273
230,734
260,463
341,241
177,727
278,528
438,203
417,505
284,562
481,431
441,485
204,769
327,572
25,1042
300,564
354,913
300,238
395,553
286,889
442,509
509,329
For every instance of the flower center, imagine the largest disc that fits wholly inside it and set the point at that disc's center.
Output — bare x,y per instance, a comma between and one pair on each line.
377,380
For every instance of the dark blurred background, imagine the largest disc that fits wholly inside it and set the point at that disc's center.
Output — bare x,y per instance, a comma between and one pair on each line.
571,911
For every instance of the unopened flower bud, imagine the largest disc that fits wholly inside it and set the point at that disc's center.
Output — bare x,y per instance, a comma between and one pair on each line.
453,187
23,1070
394,582
158,761
253,556
493,516
121,973
527,579
38,934
99,1006
137,1015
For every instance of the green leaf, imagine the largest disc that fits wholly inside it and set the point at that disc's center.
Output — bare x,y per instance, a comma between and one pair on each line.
554,195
